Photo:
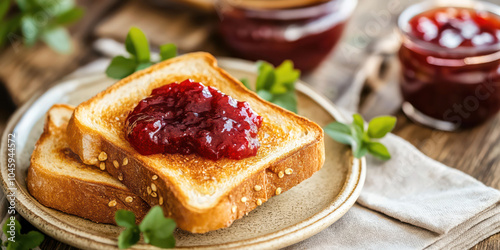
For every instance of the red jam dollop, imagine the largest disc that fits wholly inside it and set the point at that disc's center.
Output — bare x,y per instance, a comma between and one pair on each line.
457,27
189,117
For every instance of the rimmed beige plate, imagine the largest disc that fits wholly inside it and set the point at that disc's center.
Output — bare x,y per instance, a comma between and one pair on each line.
285,219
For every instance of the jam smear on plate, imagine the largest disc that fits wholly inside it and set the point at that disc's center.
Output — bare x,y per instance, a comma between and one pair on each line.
189,117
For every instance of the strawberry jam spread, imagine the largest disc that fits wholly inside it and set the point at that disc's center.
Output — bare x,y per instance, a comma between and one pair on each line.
189,117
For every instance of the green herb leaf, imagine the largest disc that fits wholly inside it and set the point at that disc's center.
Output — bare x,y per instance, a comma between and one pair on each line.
266,77
340,132
58,39
125,218
129,237
30,30
158,230
246,83
358,121
70,16
137,44
360,151
379,150
144,65
361,141
380,126
286,76
168,51
266,95
22,241
121,67
287,101
4,7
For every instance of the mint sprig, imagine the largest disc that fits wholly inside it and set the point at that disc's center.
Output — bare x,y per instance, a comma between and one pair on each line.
156,229
363,140
18,241
38,20
137,46
277,85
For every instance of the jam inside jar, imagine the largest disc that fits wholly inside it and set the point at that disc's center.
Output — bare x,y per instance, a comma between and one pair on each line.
450,60
305,35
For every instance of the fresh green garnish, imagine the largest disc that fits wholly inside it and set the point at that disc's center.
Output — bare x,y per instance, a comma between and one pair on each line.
361,140
18,241
277,85
137,46
38,20
156,229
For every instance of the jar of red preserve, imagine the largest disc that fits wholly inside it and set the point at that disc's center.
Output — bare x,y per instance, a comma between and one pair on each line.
282,29
450,58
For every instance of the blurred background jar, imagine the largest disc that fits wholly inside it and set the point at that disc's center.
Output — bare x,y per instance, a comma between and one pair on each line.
450,59
304,31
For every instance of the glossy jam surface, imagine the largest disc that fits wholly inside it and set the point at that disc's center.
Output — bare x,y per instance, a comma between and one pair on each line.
305,41
447,85
456,27
189,117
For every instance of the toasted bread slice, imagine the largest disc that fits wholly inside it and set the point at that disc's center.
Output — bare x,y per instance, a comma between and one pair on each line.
58,179
200,194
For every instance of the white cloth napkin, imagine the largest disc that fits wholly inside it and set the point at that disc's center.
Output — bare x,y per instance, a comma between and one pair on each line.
408,202
413,202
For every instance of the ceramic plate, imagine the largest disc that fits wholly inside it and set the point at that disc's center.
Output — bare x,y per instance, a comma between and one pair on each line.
288,218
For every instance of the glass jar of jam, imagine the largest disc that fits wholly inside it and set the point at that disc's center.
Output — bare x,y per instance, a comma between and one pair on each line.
306,34
450,58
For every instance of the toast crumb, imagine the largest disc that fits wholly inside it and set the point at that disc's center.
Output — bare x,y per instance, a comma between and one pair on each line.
288,171
281,174
129,199
112,203
278,191
102,156
259,202
257,188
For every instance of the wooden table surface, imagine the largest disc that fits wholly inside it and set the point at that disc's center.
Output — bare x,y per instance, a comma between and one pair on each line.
24,71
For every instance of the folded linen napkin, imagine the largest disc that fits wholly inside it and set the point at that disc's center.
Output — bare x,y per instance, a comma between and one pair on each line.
413,202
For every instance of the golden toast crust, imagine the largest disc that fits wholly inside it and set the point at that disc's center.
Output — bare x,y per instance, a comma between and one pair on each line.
279,174
93,200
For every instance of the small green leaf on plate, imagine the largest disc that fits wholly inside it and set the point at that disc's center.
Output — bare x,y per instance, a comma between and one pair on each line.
129,237
158,230
121,67
246,83
137,44
144,65
358,121
380,126
168,51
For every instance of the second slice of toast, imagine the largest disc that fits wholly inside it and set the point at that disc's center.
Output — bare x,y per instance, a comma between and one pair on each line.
58,179
199,194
